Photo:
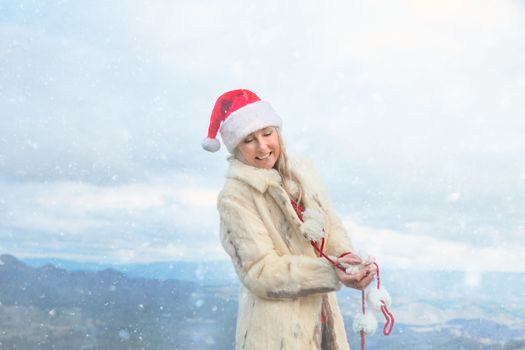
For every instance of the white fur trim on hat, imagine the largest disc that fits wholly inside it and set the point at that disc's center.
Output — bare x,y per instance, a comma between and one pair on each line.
244,121
366,323
374,297
313,224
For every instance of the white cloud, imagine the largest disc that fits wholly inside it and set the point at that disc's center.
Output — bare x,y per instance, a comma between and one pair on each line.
413,111
167,218
418,251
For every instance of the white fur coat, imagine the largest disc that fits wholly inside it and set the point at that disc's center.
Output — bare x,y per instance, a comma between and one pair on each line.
284,283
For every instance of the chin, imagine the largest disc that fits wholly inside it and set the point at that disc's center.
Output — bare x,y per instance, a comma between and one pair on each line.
269,165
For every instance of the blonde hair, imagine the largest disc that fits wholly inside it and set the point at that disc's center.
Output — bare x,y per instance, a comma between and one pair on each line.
282,167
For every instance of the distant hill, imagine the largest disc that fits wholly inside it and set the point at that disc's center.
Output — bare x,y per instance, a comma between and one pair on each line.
209,273
193,306
52,308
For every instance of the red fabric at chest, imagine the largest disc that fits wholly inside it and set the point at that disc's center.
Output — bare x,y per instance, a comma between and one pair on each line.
299,210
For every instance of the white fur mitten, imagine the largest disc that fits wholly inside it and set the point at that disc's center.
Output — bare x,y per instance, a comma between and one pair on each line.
313,224
365,258
350,269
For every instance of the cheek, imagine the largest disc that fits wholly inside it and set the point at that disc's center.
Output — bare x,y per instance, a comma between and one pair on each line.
275,145
246,150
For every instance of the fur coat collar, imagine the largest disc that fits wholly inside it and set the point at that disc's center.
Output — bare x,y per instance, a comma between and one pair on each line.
259,179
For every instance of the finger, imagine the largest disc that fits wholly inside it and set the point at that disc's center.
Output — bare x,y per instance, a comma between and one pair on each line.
356,264
360,285
347,278
350,256
367,276
357,276
373,270
359,279
350,260
367,280
365,283
370,269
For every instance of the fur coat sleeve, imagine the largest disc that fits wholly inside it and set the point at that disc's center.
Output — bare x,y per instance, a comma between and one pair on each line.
263,268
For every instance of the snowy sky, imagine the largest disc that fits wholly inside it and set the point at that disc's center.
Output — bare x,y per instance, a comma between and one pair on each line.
413,112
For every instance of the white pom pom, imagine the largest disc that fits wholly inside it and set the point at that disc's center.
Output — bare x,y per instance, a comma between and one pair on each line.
375,296
313,224
366,323
211,145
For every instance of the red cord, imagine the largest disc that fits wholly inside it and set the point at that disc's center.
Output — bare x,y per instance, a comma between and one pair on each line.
299,210
363,309
389,325
345,254
326,256
363,301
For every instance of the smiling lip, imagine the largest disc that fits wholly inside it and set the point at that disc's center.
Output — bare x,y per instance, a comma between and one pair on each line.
266,157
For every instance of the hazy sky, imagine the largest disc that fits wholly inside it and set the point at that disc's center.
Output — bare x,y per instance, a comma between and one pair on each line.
413,112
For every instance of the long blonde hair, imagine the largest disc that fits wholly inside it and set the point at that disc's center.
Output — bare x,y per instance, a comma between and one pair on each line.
282,167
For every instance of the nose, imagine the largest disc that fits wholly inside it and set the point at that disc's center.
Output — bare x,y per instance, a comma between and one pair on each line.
262,145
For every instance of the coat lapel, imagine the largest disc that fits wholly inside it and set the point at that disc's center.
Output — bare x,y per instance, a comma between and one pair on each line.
269,180
259,179
283,201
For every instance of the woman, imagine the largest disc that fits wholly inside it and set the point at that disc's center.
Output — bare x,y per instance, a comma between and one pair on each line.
275,222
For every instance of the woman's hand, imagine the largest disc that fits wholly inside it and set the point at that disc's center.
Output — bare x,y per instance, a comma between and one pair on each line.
360,279
350,258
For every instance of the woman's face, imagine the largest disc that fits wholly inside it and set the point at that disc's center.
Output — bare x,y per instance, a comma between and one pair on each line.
261,148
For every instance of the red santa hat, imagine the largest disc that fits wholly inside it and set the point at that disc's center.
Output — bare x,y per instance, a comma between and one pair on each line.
237,114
